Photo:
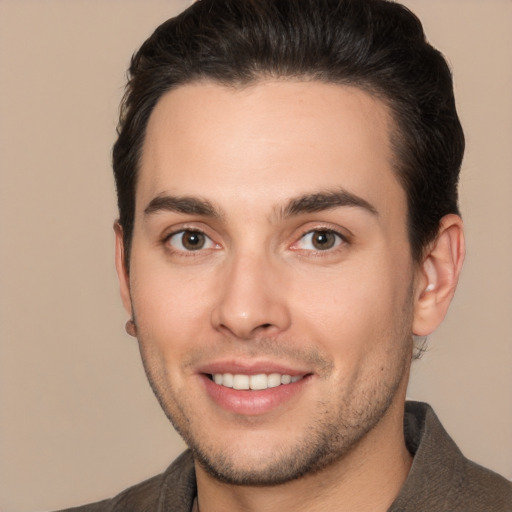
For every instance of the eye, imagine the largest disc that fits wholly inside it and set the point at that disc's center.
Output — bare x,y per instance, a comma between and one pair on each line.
319,240
189,240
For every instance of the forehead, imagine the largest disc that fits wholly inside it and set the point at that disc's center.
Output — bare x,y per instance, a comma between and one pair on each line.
267,142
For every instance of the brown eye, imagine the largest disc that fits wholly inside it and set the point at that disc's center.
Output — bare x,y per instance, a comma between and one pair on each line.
319,240
187,241
323,240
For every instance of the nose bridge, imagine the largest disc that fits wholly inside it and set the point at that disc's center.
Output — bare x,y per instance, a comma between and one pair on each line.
251,300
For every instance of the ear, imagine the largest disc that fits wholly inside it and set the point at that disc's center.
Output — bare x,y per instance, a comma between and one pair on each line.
438,276
122,271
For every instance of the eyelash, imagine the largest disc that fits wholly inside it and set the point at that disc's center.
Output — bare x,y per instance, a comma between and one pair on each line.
340,240
167,241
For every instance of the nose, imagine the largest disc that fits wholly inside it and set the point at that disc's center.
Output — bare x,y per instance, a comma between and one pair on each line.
251,300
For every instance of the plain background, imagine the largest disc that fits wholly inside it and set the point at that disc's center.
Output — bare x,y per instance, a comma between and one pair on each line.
78,420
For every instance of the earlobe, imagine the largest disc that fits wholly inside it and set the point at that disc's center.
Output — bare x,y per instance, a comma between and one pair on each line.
122,271
438,276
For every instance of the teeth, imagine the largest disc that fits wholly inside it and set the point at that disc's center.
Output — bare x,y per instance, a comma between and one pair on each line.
227,380
258,381
274,380
255,382
239,381
285,379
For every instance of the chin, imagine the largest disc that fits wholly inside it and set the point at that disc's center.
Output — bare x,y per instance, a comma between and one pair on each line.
245,463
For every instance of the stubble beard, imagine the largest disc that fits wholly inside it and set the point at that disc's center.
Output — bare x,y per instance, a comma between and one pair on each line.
325,443
328,439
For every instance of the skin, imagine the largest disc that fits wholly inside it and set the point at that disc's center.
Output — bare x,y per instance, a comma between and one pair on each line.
258,293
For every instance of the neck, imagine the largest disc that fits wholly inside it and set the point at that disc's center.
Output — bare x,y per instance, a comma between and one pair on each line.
366,479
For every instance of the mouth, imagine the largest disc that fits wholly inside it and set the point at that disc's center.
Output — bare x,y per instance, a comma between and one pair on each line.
255,391
258,382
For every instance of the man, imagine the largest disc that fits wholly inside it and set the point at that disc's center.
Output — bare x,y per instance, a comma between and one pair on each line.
287,187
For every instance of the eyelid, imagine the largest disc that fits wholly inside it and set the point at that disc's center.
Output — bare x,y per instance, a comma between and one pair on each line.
343,239
188,229
196,227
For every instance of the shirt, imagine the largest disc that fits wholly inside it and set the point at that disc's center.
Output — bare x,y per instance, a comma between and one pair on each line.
441,479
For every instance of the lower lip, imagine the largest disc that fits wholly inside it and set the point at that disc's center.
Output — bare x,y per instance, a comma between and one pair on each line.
252,403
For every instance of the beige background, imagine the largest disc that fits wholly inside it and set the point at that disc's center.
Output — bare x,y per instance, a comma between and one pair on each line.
78,421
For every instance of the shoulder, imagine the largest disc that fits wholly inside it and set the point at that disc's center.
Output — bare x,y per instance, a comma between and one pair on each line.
441,478
477,488
176,487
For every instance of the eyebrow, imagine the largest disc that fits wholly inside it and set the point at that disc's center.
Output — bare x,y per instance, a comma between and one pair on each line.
182,204
321,201
308,203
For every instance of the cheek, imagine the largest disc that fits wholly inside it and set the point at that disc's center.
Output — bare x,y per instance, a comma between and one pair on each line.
355,308
171,308
345,294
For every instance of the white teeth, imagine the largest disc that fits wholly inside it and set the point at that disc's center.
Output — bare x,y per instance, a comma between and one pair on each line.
285,379
255,382
258,381
274,380
227,380
240,381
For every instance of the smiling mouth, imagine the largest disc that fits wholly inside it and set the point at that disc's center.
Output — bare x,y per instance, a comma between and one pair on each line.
258,382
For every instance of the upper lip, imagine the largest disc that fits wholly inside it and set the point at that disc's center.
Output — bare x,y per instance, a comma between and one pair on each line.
250,368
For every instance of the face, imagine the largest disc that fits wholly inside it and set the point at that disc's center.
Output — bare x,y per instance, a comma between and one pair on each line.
271,279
